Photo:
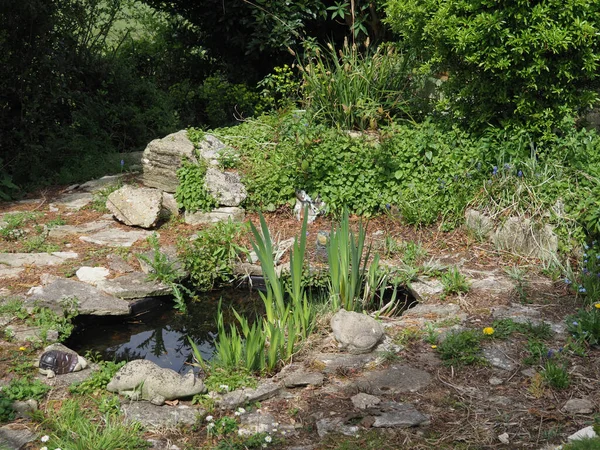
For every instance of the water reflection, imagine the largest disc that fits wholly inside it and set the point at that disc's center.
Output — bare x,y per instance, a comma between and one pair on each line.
161,335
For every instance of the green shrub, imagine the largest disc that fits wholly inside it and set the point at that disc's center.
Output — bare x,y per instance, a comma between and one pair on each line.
210,257
7,413
454,282
529,63
191,194
25,389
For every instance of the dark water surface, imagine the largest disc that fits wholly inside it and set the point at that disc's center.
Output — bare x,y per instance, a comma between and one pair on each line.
161,334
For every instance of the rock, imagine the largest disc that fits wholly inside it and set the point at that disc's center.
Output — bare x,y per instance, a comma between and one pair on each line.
62,293
74,201
335,425
225,187
141,379
169,205
8,273
495,381
495,285
578,406
301,378
162,158
210,149
224,214
526,238
116,263
479,224
425,289
92,275
434,311
497,358
398,415
334,362
15,436
355,332
239,397
504,438
364,401
161,417
24,408
260,422
133,285
86,228
135,206
116,237
100,184
392,380
36,259
584,433
161,444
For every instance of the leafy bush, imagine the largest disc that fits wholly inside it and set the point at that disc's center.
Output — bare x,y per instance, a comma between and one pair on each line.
191,194
25,388
210,257
529,63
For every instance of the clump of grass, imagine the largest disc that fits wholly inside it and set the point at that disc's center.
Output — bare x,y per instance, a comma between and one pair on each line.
454,282
556,375
460,348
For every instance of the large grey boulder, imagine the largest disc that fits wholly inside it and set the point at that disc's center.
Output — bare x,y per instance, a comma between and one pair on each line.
162,158
135,206
356,333
144,380
225,187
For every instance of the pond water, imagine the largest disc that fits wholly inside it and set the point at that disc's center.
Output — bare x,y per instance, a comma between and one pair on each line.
161,334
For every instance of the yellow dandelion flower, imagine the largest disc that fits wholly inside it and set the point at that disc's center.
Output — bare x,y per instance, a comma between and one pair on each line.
488,331
597,305
22,349
434,346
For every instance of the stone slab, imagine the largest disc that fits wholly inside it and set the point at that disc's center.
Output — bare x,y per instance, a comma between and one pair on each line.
100,184
160,417
392,380
224,214
116,237
133,285
398,415
15,436
74,201
90,300
36,259
85,228
240,397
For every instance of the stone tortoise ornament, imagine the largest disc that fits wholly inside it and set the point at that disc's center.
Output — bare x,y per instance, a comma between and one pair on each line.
141,379
58,362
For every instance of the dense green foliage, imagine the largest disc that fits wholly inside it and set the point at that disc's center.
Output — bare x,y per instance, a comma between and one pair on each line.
191,194
512,61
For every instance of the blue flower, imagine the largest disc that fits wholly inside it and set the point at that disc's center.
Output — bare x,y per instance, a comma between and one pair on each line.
567,281
506,166
582,289
550,353
519,173
495,170
388,206
586,246
575,324
122,162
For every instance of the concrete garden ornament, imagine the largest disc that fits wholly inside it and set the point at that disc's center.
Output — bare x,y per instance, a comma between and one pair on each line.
315,208
144,380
